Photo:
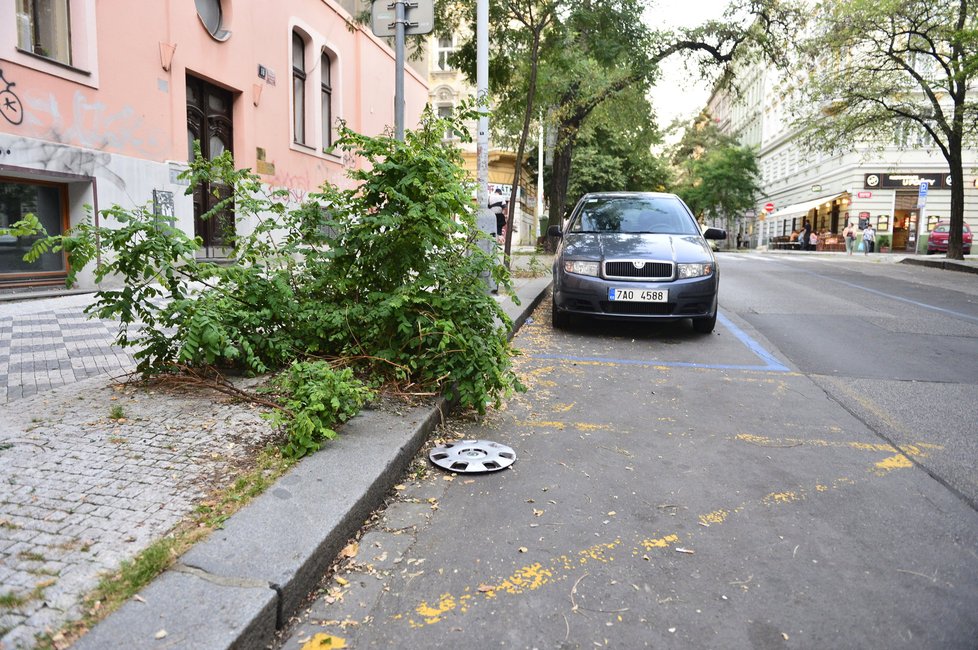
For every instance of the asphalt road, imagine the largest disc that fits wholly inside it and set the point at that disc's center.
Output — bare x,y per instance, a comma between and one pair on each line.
803,477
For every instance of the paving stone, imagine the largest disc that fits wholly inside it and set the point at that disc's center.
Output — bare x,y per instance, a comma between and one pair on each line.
77,485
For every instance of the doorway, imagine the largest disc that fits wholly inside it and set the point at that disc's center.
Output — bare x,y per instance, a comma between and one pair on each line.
209,112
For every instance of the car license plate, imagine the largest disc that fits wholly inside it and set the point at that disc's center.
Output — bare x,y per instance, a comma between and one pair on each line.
638,295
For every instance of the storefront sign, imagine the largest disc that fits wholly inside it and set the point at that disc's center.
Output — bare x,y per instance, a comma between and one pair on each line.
909,180
864,195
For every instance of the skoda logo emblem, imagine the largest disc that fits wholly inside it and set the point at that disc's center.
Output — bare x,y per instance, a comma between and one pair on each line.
638,265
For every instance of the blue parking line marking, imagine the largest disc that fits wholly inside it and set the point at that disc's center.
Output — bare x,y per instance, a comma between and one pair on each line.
771,364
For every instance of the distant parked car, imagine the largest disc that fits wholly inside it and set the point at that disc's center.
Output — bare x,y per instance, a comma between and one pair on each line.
635,256
937,241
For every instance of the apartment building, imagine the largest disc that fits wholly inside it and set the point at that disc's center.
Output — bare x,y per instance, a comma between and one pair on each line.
856,182
101,101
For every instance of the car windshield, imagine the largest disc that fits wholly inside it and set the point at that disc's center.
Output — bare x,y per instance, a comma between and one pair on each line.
664,215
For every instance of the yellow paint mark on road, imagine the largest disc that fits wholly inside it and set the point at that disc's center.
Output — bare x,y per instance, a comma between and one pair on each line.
322,641
662,542
563,408
898,461
917,449
433,613
544,423
585,426
528,578
781,497
715,517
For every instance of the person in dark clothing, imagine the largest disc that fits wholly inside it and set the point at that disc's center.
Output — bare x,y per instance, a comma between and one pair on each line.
805,236
497,204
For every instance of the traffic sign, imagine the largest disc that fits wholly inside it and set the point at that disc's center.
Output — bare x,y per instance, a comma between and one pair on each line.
419,15
769,207
922,194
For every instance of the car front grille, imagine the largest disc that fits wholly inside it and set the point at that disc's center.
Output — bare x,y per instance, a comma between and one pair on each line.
637,308
629,270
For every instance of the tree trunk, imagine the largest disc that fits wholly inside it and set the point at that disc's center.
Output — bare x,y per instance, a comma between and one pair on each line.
559,178
521,149
955,249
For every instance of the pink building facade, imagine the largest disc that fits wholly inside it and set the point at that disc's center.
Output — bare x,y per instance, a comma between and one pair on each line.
100,102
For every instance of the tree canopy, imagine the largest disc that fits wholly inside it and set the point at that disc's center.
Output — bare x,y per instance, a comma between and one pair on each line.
881,67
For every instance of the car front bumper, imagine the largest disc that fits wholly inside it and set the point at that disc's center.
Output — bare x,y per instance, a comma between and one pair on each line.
588,295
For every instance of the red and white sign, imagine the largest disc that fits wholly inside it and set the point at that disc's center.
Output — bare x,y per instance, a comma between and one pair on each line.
864,195
769,207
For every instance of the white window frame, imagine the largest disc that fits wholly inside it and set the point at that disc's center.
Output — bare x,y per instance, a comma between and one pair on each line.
83,68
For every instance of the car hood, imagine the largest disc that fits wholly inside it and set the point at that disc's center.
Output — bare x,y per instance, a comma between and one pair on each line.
604,246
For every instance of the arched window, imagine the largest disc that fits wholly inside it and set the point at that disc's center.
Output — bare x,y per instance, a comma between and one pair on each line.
326,97
298,87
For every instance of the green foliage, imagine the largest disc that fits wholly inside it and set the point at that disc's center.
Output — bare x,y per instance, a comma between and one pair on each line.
893,73
316,398
385,279
717,178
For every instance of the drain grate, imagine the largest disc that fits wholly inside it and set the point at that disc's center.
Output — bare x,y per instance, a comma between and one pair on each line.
469,456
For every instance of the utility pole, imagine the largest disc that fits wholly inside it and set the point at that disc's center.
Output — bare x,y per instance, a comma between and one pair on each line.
399,23
485,219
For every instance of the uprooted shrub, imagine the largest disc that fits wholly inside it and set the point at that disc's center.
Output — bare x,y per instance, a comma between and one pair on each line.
384,282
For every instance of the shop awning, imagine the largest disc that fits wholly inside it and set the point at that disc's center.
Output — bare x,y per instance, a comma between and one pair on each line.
801,209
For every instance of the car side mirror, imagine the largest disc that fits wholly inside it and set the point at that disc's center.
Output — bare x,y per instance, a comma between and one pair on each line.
714,233
554,231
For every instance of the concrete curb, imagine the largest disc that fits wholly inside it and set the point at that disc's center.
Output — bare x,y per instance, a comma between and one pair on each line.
236,588
945,264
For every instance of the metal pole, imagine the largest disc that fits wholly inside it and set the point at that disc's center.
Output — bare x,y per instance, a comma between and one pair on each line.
399,22
485,219
539,216
482,92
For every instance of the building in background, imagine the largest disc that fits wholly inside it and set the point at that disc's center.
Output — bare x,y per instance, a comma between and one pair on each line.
858,183
100,105
448,88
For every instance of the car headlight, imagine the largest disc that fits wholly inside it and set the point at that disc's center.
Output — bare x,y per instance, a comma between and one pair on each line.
581,268
694,270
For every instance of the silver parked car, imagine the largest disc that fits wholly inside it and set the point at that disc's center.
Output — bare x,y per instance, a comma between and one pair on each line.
630,255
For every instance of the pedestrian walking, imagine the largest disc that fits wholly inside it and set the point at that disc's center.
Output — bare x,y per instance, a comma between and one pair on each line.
850,235
498,204
805,235
869,239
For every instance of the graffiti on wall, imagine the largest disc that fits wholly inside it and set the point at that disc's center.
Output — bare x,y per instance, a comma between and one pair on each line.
54,157
10,106
91,124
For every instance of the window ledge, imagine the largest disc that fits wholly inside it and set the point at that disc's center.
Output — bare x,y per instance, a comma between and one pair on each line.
54,62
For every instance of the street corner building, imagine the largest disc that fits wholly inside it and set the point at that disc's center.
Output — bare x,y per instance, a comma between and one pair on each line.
101,103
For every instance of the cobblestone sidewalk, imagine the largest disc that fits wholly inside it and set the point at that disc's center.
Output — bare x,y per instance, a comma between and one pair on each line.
79,491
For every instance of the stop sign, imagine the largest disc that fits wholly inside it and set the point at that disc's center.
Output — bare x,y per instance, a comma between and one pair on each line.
769,207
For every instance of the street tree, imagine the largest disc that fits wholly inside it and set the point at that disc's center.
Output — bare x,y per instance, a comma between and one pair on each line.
597,73
718,178
881,67
614,151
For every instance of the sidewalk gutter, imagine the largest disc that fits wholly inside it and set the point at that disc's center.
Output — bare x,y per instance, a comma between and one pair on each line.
236,588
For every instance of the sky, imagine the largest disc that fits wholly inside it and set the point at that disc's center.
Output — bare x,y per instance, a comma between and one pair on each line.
678,93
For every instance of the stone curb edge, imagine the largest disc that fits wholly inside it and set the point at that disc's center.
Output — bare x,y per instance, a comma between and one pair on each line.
238,587
947,265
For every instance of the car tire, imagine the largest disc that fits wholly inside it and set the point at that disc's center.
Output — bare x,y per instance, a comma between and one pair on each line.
705,325
559,319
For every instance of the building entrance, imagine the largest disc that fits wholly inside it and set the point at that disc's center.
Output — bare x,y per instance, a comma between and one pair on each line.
209,123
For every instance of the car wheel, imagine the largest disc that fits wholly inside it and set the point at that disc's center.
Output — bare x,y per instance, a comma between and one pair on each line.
560,319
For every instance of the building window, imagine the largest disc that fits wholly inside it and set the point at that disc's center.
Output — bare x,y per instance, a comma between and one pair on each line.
211,14
298,88
445,111
44,28
47,201
446,47
326,98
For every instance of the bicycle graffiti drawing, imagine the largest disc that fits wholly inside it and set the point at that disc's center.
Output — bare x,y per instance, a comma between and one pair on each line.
10,106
